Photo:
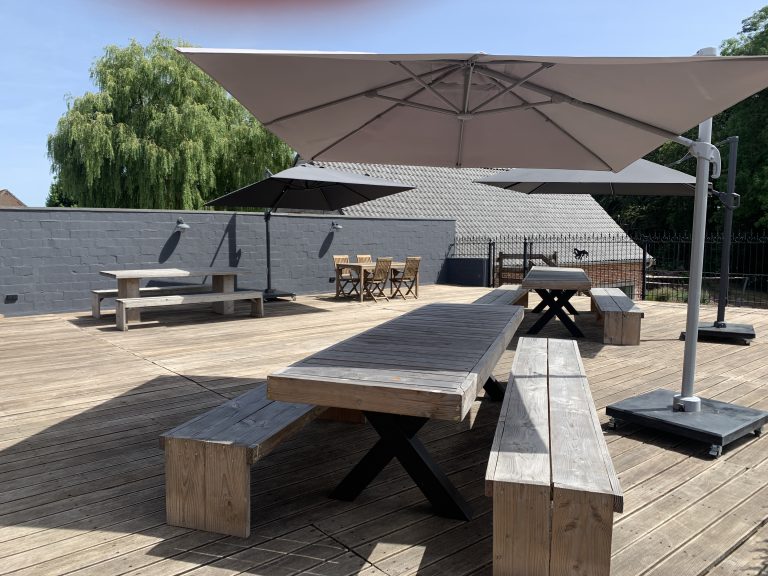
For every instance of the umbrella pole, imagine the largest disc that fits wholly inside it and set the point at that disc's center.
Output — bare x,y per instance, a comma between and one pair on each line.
720,329
687,401
267,216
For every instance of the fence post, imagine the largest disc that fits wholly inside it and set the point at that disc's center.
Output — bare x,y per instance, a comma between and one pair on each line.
525,256
489,282
644,264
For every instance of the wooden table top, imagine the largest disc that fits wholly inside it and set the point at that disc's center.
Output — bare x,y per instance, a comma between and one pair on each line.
430,362
366,265
553,278
168,272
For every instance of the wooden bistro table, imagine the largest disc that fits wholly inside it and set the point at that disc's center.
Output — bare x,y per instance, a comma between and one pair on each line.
128,281
359,267
556,286
427,363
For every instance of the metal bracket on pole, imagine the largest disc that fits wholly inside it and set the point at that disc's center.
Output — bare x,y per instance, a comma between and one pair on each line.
708,152
730,201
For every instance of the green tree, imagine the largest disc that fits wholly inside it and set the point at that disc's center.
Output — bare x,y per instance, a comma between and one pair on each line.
749,121
56,199
158,133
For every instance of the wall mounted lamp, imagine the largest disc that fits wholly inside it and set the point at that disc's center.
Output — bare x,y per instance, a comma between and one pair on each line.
181,226
336,226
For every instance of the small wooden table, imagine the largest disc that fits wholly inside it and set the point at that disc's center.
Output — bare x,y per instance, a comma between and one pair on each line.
128,281
556,286
360,267
427,363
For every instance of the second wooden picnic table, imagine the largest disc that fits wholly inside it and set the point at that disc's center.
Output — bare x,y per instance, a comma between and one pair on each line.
359,268
556,286
128,282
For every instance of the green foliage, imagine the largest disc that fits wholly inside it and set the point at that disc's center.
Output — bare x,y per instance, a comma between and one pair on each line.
749,121
56,199
159,133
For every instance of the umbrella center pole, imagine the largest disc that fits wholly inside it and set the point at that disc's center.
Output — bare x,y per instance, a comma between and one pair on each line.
267,216
687,401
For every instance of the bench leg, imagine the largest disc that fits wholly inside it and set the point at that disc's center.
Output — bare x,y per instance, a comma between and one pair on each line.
521,515
522,301
129,288
257,307
631,329
208,486
582,527
121,318
612,328
95,306
223,283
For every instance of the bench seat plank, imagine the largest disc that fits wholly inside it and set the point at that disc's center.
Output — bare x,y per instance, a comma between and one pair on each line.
208,459
98,295
505,295
583,497
125,304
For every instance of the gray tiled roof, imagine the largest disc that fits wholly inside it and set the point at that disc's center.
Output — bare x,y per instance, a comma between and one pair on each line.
479,210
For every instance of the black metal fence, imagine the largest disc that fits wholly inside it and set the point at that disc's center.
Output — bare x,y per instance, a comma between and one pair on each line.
652,267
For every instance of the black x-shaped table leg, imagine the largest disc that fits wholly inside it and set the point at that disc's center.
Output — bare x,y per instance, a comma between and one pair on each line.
555,301
398,440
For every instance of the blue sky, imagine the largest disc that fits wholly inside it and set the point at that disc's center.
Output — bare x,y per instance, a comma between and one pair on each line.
48,46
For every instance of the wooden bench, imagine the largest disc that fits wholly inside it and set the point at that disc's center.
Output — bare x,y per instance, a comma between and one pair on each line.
208,460
98,295
619,315
125,304
503,295
553,485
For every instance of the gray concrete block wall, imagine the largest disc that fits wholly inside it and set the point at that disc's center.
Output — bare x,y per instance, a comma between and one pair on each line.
50,258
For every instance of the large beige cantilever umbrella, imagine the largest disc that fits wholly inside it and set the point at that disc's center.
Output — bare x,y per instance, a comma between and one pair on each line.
495,110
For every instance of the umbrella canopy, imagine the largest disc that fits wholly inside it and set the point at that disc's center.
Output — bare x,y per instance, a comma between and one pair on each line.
479,110
311,188
641,178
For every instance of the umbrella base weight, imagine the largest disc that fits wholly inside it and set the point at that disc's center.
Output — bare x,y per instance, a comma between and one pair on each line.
272,294
718,423
743,333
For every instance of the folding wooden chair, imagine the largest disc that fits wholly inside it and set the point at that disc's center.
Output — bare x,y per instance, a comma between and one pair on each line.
408,278
348,282
375,282
364,258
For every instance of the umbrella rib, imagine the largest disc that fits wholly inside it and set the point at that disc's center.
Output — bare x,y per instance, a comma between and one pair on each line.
425,85
508,89
292,115
446,71
560,128
526,106
462,118
425,107
365,198
559,97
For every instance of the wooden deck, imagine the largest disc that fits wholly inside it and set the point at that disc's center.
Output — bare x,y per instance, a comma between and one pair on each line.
81,474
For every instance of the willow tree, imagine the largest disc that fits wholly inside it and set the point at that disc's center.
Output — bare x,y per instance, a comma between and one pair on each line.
158,133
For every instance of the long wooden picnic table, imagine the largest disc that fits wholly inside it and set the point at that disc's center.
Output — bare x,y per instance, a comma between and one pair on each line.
428,363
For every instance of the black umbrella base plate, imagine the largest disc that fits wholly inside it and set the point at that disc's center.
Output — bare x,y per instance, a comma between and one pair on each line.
273,294
741,333
718,423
